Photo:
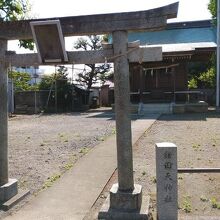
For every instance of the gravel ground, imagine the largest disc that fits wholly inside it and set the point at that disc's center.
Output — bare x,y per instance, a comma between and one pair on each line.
197,137
42,147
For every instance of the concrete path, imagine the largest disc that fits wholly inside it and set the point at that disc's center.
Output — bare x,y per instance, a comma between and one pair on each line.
199,218
72,196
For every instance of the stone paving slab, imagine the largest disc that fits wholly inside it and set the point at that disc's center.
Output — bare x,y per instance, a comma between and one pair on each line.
72,196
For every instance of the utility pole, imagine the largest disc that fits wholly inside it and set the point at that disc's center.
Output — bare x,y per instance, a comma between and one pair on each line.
218,56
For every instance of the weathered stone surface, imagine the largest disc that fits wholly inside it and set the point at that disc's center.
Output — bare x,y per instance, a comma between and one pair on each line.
178,108
166,170
139,54
122,112
190,107
197,107
3,116
107,213
8,190
153,19
14,200
129,201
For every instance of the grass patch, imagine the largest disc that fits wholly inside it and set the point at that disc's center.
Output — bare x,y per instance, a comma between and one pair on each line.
214,203
63,137
68,166
154,179
186,206
50,180
204,199
100,138
84,150
114,131
196,147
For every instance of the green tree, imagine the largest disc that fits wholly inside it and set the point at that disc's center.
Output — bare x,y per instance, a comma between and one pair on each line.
204,75
58,81
46,82
208,78
12,10
95,72
21,81
212,6
49,80
61,89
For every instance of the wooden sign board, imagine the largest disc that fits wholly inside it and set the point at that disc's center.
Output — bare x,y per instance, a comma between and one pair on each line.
49,41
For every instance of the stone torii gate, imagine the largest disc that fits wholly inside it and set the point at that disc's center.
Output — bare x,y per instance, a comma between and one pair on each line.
125,197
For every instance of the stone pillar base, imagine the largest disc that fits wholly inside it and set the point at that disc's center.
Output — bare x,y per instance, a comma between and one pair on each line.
129,201
125,205
8,190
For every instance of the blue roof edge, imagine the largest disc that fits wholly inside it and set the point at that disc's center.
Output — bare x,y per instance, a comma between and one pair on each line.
190,24
177,32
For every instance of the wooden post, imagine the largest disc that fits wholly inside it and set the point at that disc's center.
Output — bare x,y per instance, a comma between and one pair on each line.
122,111
3,116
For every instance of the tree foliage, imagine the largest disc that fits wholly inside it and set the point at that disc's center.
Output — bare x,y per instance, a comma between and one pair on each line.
21,81
212,6
205,79
94,72
208,78
204,75
58,84
12,10
60,76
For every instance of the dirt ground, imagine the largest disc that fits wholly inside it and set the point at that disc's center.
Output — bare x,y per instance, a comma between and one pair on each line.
197,137
43,147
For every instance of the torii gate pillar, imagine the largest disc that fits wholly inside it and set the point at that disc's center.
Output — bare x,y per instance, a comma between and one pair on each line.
125,200
8,187
122,112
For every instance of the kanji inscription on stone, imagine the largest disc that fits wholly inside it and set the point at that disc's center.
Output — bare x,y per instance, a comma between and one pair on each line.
166,171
